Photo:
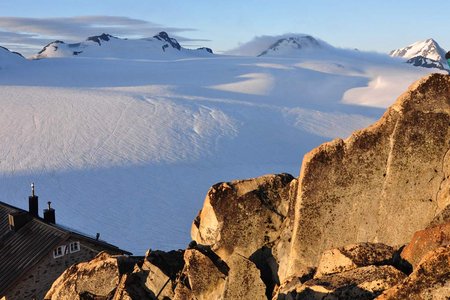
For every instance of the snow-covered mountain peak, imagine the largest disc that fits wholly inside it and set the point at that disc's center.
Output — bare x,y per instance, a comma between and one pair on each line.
163,36
99,38
429,49
427,54
291,45
161,46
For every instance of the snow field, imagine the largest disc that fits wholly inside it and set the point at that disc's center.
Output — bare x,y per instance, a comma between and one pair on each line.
129,147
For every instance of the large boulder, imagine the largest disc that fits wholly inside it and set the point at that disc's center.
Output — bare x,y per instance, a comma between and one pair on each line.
203,276
161,270
353,256
360,283
244,280
97,278
207,276
430,280
243,216
425,241
381,184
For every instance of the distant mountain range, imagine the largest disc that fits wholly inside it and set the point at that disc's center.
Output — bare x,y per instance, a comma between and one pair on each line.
108,46
428,54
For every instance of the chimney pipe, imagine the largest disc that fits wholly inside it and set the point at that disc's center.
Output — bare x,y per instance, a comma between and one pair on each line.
49,214
33,204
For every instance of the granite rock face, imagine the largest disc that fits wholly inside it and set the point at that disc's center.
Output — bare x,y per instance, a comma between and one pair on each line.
381,184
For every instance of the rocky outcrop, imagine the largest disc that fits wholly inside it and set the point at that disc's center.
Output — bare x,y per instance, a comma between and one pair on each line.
206,276
354,256
116,277
202,277
381,184
243,216
360,283
430,280
163,36
425,241
358,271
97,278
246,217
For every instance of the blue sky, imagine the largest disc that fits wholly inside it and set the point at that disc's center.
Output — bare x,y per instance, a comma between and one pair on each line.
222,25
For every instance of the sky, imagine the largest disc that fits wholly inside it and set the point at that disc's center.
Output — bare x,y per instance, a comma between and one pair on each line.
372,25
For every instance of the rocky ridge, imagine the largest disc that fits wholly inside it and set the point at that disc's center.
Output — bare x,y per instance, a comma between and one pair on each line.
367,217
109,46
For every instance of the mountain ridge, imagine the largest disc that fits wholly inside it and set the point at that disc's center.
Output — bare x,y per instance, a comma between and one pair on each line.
160,46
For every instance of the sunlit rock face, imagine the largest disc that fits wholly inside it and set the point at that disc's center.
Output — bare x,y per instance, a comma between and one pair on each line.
382,183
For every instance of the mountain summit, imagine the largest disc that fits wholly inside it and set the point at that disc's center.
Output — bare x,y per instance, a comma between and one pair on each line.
161,46
289,46
426,53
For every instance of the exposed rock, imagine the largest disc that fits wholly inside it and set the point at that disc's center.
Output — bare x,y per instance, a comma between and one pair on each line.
425,241
98,278
420,61
361,283
161,270
163,36
206,276
381,184
444,215
201,276
132,286
353,256
430,280
244,280
287,290
209,50
243,216
99,38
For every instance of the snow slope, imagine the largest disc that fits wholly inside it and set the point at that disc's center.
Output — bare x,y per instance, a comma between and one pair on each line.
8,58
129,147
161,46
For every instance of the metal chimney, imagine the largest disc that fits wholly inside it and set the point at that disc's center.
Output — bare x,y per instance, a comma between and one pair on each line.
33,205
49,214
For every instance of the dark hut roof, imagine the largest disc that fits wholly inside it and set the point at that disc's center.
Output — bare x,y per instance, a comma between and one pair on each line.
22,249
